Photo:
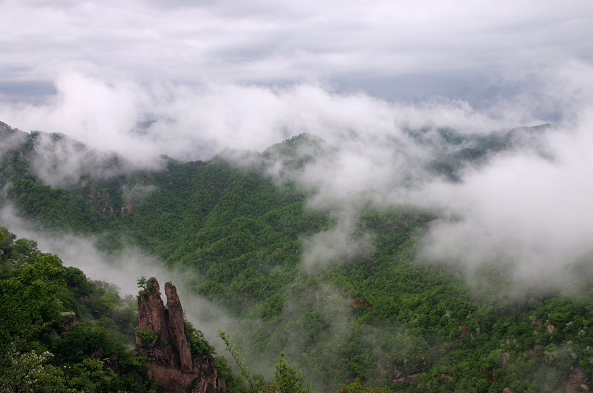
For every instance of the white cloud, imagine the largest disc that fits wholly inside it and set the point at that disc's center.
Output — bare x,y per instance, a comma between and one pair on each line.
337,245
197,122
372,158
263,41
123,269
532,212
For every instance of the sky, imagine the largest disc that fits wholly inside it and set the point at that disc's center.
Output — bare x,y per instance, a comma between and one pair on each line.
392,49
191,79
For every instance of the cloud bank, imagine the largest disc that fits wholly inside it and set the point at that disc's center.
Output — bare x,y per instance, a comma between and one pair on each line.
142,121
530,205
529,210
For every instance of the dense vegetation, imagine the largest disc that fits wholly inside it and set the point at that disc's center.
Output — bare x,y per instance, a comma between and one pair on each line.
383,320
60,331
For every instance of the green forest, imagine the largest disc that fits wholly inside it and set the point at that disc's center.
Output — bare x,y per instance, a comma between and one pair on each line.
383,322
60,331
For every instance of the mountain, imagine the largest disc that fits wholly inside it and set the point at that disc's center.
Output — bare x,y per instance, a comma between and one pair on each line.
239,224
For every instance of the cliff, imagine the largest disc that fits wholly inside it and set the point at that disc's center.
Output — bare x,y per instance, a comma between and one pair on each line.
162,338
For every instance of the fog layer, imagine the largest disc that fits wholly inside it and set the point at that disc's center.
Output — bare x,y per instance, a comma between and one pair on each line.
530,205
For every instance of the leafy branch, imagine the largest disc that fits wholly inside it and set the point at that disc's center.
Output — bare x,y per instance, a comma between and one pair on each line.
245,372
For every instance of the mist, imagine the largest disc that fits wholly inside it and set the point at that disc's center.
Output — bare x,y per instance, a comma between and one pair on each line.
287,335
143,121
532,211
123,269
529,206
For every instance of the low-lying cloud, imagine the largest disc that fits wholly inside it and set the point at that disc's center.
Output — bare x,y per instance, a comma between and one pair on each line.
530,204
535,212
61,161
123,269
337,245
142,121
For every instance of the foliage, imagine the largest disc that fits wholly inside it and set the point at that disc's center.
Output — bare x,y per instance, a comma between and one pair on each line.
358,387
146,336
142,283
59,330
234,351
387,319
30,372
287,380
233,382
199,346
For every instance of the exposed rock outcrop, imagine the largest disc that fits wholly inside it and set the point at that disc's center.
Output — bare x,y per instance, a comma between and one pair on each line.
126,209
162,338
577,382
100,199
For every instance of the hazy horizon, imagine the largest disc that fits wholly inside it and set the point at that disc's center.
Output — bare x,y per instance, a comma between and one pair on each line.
457,50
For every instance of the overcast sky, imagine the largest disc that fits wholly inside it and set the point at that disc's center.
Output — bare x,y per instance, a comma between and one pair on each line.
471,50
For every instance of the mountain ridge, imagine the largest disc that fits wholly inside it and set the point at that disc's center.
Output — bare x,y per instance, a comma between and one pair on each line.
386,317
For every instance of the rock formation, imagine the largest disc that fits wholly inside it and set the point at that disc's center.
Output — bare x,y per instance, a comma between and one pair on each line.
126,209
162,338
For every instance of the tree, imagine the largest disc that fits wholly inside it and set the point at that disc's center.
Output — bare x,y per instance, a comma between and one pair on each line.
245,371
28,372
287,380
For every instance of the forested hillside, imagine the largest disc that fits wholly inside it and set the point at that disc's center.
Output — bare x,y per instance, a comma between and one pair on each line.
60,331
383,318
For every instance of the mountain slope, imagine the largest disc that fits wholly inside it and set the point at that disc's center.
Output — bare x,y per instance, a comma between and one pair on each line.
385,316
60,331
